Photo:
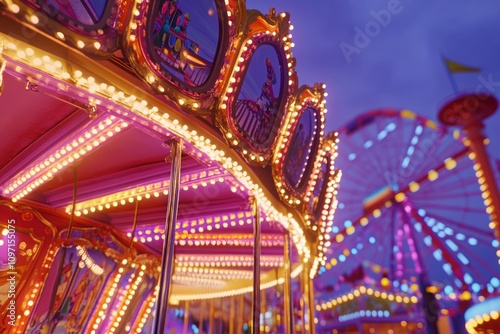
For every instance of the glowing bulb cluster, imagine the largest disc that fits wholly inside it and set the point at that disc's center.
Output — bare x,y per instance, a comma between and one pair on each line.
356,293
62,155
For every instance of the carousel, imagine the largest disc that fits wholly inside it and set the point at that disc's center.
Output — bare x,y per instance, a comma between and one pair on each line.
161,170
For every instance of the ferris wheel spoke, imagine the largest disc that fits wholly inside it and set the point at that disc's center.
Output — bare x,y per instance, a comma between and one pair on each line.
400,150
368,143
449,187
363,166
436,242
448,173
434,154
366,249
416,255
476,232
369,185
464,258
450,194
424,177
392,226
375,166
447,177
456,208
469,254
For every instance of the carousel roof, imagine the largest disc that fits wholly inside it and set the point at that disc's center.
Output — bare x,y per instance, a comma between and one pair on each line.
52,145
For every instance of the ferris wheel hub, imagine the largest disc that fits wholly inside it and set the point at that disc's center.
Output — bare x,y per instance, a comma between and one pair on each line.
468,108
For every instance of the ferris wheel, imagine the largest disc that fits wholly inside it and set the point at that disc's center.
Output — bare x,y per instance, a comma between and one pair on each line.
410,211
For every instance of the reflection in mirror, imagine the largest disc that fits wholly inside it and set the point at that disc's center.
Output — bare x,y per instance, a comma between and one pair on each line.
315,203
73,287
185,36
146,288
87,12
297,159
256,108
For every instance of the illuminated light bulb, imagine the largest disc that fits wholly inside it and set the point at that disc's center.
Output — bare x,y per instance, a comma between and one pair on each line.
414,186
34,19
399,197
350,230
432,175
450,163
14,8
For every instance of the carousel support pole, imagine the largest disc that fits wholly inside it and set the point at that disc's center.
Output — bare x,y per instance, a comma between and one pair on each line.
256,267
263,307
310,304
211,317
221,315
302,312
186,316
241,310
231,315
289,323
202,311
167,259
308,301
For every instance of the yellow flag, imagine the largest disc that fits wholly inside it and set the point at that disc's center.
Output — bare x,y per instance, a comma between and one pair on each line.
454,67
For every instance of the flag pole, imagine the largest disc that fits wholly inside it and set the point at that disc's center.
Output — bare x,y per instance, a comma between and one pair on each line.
451,78
452,81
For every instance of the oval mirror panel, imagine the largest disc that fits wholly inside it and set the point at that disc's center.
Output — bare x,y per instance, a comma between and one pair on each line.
317,200
256,109
183,38
303,147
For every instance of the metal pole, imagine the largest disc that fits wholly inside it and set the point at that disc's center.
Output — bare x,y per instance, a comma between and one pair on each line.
186,316
302,307
305,298
308,301
289,324
263,308
256,268
167,259
211,317
231,315
241,310
221,315
310,305
202,311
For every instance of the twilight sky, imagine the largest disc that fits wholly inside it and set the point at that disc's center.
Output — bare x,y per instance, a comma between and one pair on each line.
399,65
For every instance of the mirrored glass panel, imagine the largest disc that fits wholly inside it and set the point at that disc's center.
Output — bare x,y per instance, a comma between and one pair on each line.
184,36
256,108
301,149
87,12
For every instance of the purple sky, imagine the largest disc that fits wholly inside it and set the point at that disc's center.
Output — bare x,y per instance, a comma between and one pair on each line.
401,65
